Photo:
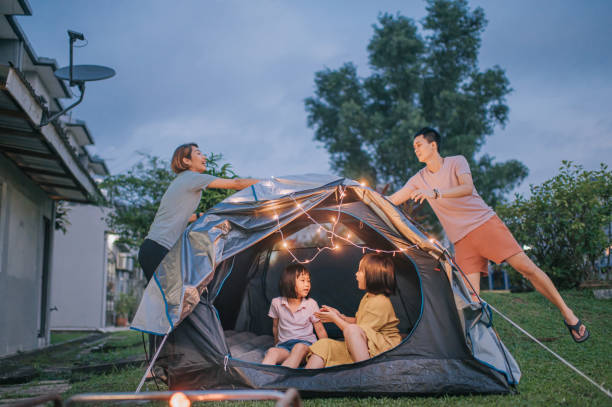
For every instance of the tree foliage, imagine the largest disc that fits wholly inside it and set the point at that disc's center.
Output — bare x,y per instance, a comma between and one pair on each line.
134,196
563,222
418,77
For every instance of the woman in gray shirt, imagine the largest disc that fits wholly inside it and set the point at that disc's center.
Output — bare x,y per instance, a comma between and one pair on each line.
179,202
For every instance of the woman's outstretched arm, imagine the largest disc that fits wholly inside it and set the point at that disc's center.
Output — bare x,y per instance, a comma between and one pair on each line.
235,183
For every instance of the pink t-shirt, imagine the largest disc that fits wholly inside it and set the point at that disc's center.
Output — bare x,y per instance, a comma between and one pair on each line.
458,216
294,325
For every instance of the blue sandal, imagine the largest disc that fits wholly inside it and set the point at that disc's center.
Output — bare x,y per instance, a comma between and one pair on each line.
576,328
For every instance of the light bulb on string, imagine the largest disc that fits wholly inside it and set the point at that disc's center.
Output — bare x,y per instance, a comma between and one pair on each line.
332,235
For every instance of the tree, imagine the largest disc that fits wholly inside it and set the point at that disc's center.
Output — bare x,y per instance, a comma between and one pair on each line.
366,124
563,222
134,196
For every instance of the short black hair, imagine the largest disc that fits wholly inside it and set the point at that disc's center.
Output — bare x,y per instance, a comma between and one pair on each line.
288,277
430,135
379,273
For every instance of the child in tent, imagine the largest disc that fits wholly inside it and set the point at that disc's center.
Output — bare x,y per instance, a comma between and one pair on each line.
293,319
373,330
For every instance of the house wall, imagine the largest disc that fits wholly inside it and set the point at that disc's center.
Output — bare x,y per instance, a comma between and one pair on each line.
79,273
22,208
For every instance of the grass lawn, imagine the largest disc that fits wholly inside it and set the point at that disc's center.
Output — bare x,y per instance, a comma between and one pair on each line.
63,336
545,381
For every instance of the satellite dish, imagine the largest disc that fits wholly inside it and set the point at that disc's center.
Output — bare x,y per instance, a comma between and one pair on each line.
85,73
77,75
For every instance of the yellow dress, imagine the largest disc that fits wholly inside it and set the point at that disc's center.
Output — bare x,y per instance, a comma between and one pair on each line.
376,317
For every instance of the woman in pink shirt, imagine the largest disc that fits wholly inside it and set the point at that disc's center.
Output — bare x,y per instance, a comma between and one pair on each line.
471,225
293,319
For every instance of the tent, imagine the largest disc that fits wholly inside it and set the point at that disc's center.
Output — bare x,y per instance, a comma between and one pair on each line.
212,292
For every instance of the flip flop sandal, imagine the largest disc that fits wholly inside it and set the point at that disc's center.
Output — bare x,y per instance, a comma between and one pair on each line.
576,328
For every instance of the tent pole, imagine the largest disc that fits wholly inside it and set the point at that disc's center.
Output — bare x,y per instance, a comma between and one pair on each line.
153,359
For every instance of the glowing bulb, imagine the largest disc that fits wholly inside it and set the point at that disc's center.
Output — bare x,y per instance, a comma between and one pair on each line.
348,235
285,244
320,229
179,400
333,218
297,205
275,216
306,261
431,240
377,251
336,247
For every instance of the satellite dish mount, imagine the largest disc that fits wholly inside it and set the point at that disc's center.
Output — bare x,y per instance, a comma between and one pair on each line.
77,75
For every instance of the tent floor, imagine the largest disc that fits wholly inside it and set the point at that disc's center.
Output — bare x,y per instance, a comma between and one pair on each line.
248,346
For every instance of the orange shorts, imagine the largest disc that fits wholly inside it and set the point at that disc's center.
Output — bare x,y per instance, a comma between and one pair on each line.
490,241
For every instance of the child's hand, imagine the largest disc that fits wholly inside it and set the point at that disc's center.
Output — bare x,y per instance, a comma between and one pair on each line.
330,309
326,315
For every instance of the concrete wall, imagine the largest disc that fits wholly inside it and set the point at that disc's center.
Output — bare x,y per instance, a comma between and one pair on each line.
22,208
79,271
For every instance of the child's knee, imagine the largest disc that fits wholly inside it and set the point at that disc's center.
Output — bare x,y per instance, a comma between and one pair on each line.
300,348
353,329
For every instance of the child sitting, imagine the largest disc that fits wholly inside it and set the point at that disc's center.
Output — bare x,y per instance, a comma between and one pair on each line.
293,319
373,330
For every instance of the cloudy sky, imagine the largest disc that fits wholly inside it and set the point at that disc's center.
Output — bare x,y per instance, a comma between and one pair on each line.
233,75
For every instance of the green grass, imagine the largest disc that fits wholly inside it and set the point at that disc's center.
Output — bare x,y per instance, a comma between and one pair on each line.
545,380
63,336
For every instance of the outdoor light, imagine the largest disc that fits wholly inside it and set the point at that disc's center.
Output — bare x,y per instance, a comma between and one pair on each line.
179,400
332,234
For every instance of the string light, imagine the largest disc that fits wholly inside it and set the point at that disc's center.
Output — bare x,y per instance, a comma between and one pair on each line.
332,233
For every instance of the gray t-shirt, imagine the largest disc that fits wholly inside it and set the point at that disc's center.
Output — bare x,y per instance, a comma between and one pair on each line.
178,203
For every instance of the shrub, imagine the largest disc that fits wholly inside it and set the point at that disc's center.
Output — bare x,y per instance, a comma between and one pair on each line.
562,223
126,305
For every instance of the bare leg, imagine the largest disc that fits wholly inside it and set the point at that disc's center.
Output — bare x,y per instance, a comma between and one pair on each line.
298,353
315,362
523,264
275,356
356,342
474,280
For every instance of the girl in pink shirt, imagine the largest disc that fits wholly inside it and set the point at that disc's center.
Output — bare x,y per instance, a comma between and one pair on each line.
293,319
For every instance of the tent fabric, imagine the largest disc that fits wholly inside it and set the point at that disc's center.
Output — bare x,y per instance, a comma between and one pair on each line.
218,280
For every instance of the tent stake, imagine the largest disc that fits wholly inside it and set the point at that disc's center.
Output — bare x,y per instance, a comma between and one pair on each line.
144,377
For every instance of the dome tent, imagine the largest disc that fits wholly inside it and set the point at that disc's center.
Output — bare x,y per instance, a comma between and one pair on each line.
212,292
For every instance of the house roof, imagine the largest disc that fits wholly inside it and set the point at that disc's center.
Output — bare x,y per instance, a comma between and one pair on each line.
43,154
